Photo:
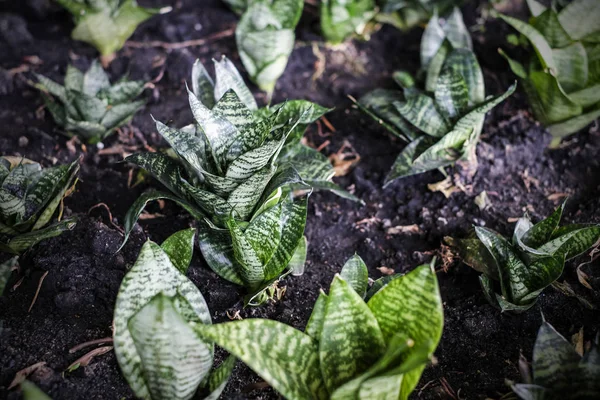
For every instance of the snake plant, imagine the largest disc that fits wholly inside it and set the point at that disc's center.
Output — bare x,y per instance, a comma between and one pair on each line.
107,24
561,77
235,171
156,312
350,348
265,39
559,372
441,122
29,197
524,266
406,14
341,19
87,105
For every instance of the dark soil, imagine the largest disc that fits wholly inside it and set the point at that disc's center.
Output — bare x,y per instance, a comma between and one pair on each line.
480,346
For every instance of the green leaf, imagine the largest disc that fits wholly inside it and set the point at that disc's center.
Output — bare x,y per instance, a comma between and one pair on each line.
298,261
456,32
73,79
535,8
452,95
245,197
121,114
248,258
122,92
219,377
273,350
474,253
20,243
217,249
539,43
341,19
571,67
379,105
541,232
355,273
549,26
95,80
403,164
432,40
572,125
314,326
351,340
579,18
411,305
6,269
572,243
203,85
464,63
180,247
151,275
228,77
31,392
160,166
174,359
434,68
421,111
379,284
333,188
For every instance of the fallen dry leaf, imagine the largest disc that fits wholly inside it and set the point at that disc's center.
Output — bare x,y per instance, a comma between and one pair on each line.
399,229
24,373
386,270
446,187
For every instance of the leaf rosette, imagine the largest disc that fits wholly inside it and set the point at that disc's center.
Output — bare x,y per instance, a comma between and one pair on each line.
523,267
559,372
441,124
29,197
107,24
562,75
88,106
236,171
350,348
156,312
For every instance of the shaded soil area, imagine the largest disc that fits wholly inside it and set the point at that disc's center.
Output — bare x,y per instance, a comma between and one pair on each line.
480,346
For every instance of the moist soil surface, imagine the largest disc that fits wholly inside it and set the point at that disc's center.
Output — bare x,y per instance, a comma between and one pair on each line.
398,228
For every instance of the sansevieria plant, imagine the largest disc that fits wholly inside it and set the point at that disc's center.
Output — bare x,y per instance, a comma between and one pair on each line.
107,24
341,19
29,197
442,121
265,39
559,371
562,75
157,309
230,174
87,105
523,267
350,349
406,14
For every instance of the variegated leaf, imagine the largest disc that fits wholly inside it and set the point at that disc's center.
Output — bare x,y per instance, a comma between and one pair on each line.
356,274
152,274
273,350
203,85
228,77
421,111
6,269
351,340
541,232
31,392
244,198
452,95
571,241
219,377
314,326
297,263
463,62
217,249
341,19
180,247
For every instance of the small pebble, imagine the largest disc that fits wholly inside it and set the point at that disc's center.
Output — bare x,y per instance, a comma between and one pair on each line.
23,141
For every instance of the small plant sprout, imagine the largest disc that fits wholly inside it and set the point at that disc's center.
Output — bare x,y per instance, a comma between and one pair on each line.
523,267
236,171
350,348
265,39
88,106
157,310
561,77
107,24
442,123
341,19
29,197
559,372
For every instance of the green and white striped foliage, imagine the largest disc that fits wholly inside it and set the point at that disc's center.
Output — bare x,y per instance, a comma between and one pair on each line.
559,372
107,24
265,39
156,312
561,77
88,106
341,19
441,124
29,197
406,14
314,168
350,349
531,261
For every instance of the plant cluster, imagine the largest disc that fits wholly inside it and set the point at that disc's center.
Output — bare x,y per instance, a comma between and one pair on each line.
88,106
442,123
350,348
29,197
531,261
562,75
235,171
559,371
107,24
156,315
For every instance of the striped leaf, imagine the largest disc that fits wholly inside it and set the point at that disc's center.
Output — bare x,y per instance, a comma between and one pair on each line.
217,249
452,95
6,269
203,85
579,18
18,244
464,63
570,126
379,105
378,285
219,377
179,247
571,241
432,40
283,356
456,32
244,198
174,360
314,326
541,232
142,320
411,305
474,253
351,340
342,19
162,167
421,111
228,77
355,273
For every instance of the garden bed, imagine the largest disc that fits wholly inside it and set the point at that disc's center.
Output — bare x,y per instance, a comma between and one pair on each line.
397,229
